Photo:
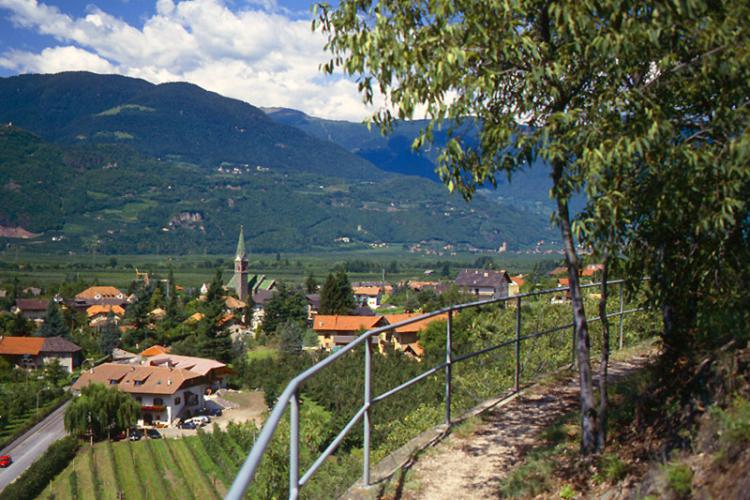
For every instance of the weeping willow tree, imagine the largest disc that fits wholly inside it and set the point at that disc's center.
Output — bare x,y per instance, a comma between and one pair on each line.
607,93
98,412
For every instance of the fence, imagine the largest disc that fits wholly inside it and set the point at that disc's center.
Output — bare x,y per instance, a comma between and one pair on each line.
290,395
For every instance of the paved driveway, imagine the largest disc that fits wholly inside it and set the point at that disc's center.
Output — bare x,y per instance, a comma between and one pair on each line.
26,449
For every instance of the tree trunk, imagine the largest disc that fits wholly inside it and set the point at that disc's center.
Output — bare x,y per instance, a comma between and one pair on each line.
601,436
588,412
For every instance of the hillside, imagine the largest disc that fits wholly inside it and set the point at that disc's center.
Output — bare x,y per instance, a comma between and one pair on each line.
393,153
179,121
113,199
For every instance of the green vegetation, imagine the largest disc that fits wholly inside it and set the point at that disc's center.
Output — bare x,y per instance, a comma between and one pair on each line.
336,296
33,481
679,479
101,412
109,198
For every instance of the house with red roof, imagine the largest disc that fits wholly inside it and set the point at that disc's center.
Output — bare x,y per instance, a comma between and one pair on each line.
338,330
35,352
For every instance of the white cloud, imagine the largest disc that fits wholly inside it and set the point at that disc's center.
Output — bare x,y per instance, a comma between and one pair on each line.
55,60
252,53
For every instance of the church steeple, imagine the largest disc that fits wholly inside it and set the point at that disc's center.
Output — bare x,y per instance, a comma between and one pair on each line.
240,254
240,268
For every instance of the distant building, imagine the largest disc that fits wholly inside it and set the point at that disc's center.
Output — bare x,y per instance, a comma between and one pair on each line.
406,338
239,281
100,295
514,288
100,314
486,283
33,309
367,296
338,330
35,352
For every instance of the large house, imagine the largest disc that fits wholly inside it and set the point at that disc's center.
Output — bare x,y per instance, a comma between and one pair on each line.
99,314
164,393
485,283
35,352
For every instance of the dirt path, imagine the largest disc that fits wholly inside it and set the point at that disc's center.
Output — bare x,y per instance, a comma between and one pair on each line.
473,466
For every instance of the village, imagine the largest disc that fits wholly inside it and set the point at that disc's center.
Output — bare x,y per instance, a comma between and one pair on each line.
172,388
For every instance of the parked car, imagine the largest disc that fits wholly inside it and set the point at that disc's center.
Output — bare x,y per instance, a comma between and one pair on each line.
200,420
153,434
119,436
135,435
188,424
5,461
215,412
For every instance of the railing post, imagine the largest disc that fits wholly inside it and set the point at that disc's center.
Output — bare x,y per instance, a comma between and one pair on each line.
448,361
622,309
368,374
294,446
518,344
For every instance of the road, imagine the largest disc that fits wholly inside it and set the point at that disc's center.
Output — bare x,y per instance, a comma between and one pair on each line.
26,449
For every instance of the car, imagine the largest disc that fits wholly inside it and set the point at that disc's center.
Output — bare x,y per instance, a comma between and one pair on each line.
215,412
153,434
188,424
119,436
135,435
5,461
200,420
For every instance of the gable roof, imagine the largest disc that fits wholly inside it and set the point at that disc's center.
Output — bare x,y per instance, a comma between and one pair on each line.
369,291
154,350
100,292
59,344
18,346
518,280
415,327
105,309
32,304
482,277
32,346
198,365
138,379
590,269
233,303
341,323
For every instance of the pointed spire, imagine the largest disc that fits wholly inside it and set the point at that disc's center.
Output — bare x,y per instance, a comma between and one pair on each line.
240,254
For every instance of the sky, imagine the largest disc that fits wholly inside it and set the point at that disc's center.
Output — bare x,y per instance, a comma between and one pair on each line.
261,51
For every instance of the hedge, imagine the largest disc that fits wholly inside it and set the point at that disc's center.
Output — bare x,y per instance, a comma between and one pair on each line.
32,482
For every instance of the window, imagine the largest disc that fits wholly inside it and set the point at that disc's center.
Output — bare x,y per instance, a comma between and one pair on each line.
176,401
158,402
139,382
139,399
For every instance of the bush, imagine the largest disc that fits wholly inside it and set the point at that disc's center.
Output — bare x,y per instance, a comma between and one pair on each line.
37,477
679,479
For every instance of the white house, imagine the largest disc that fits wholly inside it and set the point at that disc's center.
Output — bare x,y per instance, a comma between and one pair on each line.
164,393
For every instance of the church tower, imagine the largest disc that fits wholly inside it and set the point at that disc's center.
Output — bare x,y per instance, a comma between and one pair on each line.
240,268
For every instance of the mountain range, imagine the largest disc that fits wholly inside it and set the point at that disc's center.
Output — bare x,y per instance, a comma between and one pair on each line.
121,165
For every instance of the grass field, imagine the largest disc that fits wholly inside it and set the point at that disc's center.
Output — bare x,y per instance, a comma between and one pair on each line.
164,468
193,270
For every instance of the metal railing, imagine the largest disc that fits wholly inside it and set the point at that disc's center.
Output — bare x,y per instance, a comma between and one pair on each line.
290,395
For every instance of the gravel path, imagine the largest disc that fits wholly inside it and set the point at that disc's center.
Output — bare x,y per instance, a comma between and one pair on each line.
473,467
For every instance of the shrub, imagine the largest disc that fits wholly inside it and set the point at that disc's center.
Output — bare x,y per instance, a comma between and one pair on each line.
612,468
679,479
32,482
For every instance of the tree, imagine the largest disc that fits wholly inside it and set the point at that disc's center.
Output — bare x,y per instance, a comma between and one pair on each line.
109,336
644,106
100,411
286,304
173,304
311,285
528,77
336,296
54,325
54,372
290,335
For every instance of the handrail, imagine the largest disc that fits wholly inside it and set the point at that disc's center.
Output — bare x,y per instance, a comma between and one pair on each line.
290,395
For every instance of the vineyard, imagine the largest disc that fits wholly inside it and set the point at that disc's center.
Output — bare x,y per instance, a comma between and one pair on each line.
199,467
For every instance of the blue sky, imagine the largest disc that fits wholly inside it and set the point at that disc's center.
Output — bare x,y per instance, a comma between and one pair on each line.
260,51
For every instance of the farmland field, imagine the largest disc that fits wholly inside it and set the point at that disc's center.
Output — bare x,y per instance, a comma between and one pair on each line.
164,468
